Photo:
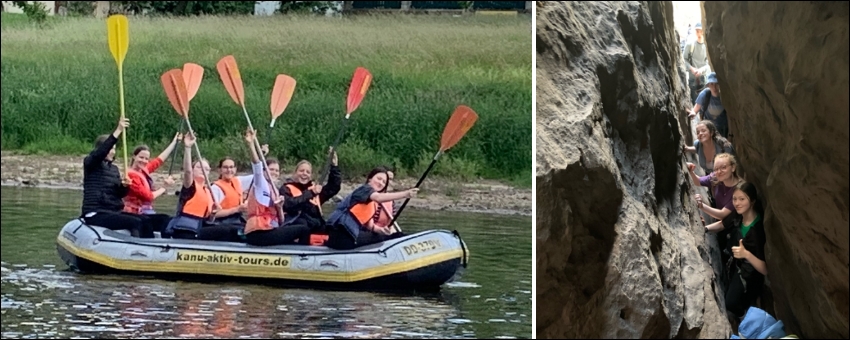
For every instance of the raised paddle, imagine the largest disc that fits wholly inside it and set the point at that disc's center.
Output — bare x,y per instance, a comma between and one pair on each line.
119,40
460,122
193,74
356,91
175,89
284,87
232,80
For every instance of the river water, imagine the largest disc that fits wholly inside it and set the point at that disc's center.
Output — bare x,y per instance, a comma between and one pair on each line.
41,298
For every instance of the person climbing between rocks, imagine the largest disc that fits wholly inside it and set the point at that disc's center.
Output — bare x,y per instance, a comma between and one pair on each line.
709,107
721,183
747,268
696,61
709,144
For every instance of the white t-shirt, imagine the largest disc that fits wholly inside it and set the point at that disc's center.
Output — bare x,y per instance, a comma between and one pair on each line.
244,180
261,186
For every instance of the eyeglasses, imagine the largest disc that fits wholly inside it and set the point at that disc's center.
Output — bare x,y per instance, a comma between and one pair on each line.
721,168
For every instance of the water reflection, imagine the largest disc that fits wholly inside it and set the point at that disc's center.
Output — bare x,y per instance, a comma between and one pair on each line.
43,302
42,299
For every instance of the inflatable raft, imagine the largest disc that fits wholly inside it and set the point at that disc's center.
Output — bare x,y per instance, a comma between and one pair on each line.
423,260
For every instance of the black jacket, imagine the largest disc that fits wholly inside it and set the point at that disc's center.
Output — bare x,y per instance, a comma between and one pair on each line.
300,206
754,242
102,188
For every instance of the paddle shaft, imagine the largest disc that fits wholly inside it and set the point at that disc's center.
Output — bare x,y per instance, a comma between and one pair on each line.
327,166
198,152
121,102
431,166
173,157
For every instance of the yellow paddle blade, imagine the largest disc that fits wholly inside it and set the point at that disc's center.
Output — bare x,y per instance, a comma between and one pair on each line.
117,33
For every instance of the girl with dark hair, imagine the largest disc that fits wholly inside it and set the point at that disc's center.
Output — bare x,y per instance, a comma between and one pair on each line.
352,224
104,189
141,194
709,143
747,267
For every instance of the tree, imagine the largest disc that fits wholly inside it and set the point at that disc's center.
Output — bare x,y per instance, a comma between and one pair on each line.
35,11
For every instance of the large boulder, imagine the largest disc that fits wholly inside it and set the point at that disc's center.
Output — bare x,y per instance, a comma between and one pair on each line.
783,73
621,252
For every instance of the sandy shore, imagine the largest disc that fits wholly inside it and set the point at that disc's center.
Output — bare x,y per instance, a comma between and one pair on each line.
434,194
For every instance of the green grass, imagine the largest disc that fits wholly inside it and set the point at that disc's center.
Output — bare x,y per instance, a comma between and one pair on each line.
60,88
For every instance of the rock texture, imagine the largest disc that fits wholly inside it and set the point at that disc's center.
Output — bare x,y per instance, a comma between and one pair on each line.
621,252
783,74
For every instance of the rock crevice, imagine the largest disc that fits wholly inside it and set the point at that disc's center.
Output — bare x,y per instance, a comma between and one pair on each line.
620,249
783,73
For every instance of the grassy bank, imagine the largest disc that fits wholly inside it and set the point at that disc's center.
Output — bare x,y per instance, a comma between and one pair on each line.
60,88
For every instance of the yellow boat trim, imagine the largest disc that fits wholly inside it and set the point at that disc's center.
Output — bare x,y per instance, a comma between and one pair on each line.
258,272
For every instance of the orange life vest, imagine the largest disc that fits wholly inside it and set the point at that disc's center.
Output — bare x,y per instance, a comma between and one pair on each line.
385,217
364,212
297,192
232,190
201,204
259,215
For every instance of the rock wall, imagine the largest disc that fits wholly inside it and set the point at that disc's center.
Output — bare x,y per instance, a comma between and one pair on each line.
783,73
621,252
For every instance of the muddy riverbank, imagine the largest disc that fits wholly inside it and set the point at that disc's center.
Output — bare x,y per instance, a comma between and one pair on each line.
434,194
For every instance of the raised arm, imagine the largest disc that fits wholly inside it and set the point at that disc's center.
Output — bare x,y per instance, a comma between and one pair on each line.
334,181
99,153
188,175
153,165
694,177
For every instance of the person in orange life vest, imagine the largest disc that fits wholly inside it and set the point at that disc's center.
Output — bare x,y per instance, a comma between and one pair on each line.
386,210
195,204
303,198
264,227
352,225
140,197
228,191
104,189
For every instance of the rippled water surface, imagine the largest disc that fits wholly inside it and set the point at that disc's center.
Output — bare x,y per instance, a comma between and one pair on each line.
42,299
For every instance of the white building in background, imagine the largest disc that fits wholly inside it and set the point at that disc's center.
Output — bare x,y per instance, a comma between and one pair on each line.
266,8
8,7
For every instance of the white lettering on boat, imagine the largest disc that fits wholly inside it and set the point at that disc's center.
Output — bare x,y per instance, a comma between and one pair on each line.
424,246
240,259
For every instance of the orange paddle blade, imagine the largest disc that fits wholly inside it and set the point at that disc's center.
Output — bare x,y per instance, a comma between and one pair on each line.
461,121
284,87
175,89
357,90
231,78
193,74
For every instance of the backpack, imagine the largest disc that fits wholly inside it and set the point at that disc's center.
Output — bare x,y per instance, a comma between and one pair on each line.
702,77
758,324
